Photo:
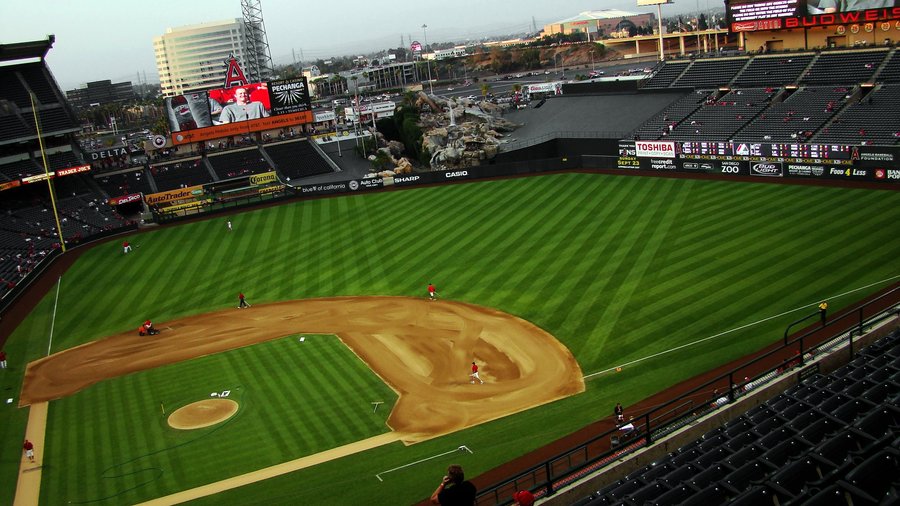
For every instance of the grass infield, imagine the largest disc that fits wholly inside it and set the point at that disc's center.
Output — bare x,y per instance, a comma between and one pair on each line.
617,268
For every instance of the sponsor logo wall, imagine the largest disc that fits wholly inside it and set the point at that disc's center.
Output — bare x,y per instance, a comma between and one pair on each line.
860,163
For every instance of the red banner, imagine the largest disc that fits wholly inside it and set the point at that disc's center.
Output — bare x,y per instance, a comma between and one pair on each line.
125,199
241,127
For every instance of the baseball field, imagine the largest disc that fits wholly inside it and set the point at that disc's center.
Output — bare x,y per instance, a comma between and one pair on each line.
344,385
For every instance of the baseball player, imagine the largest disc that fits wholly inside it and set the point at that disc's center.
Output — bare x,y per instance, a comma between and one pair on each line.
29,450
432,293
475,375
243,303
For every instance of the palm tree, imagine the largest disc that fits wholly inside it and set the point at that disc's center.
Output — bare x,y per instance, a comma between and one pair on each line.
485,89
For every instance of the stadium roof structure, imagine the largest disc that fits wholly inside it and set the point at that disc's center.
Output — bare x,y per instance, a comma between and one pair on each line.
601,14
26,50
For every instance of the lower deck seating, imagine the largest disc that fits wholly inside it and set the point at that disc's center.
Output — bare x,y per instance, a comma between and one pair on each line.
833,439
297,159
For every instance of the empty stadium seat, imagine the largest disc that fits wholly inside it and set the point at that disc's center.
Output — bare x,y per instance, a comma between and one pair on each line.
760,496
675,495
713,494
799,476
875,477
842,448
711,474
744,455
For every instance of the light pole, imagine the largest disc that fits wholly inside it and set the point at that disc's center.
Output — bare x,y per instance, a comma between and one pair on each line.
559,69
427,61
337,133
592,60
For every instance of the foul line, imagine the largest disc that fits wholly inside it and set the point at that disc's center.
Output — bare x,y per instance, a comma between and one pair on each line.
53,319
462,448
720,334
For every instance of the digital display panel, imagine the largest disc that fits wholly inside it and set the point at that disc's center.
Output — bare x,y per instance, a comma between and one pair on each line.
755,150
238,110
753,15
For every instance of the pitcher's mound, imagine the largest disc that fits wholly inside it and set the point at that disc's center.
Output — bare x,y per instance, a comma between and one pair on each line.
202,414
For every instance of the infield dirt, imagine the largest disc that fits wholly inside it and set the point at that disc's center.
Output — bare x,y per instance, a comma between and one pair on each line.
422,349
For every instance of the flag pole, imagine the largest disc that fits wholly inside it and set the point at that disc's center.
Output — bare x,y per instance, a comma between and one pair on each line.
37,126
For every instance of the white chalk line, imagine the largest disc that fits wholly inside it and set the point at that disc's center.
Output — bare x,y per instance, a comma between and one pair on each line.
720,334
462,448
53,319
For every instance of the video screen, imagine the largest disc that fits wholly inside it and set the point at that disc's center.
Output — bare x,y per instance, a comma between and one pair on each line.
240,103
223,112
742,11
189,111
829,6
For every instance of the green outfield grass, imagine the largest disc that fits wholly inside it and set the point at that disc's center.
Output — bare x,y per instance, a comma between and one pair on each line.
617,268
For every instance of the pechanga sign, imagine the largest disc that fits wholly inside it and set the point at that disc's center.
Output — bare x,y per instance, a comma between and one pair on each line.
655,149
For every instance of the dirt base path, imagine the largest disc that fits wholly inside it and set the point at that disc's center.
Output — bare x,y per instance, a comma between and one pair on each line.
28,486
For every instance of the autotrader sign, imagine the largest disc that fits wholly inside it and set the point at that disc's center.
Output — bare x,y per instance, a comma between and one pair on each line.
655,149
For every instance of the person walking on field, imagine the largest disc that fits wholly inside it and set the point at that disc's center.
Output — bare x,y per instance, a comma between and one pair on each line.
619,412
2,359
823,310
29,450
243,303
229,225
126,247
432,293
475,375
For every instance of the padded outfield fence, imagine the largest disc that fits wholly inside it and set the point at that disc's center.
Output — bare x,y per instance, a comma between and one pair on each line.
789,358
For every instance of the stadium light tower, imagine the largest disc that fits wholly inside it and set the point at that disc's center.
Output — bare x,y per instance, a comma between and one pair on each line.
658,4
258,56
427,61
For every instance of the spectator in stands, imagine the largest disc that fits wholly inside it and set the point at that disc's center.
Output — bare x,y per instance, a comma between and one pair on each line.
523,498
829,6
454,489
242,109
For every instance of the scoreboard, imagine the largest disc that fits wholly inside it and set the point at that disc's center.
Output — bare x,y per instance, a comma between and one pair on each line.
755,151
753,15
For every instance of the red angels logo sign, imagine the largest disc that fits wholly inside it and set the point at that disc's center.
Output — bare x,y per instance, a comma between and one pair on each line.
869,27
841,30
854,28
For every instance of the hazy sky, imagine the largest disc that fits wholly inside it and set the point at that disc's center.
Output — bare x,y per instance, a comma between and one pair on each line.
113,39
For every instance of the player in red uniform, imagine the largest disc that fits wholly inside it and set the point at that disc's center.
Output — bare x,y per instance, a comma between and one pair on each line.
474,374
432,294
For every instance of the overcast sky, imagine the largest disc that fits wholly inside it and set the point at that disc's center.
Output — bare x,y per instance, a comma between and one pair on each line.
113,39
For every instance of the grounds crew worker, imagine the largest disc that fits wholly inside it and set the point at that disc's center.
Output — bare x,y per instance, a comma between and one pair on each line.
823,308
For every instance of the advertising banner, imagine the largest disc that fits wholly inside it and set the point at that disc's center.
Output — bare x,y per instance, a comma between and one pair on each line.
289,96
125,199
767,169
73,170
191,192
241,128
654,149
109,153
264,178
10,184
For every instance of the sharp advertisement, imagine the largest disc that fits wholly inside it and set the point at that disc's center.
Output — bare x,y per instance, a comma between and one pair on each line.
224,112
753,15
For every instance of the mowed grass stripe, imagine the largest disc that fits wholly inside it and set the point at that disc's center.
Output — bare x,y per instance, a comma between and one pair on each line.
541,250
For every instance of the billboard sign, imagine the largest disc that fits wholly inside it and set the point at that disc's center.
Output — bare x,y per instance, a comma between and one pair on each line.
654,149
289,96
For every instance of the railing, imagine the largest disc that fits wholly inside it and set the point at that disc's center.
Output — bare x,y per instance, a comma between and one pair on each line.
545,478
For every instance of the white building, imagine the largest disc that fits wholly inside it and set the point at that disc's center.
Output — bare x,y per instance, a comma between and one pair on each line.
194,57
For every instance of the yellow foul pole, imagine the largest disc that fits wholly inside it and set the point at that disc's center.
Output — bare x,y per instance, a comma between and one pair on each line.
37,126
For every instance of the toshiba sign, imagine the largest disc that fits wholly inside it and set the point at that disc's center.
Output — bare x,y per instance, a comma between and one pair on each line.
655,149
